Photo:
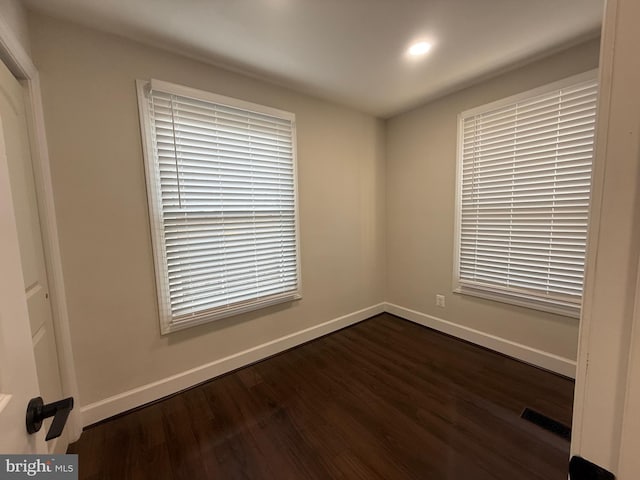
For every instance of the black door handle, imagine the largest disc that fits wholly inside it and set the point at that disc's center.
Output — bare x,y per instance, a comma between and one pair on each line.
37,411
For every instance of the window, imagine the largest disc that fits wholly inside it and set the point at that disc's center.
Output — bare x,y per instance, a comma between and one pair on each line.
524,178
221,183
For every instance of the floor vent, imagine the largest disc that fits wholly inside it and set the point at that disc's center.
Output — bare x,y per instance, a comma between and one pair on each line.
547,423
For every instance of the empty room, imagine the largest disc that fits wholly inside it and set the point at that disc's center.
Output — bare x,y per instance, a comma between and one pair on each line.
324,239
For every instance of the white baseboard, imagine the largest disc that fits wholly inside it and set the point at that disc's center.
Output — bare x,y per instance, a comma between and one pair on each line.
122,402
539,358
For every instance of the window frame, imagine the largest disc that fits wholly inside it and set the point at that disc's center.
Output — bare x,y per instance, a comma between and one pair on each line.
167,323
506,295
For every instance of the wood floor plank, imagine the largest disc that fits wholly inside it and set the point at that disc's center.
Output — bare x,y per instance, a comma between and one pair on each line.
383,399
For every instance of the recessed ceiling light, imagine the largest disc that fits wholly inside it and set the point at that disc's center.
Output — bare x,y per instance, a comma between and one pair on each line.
419,48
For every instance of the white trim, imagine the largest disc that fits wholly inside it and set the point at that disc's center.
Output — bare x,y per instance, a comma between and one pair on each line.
521,300
51,244
600,427
227,311
4,401
13,53
605,75
122,402
155,215
457,214
21,65
548,361
628,461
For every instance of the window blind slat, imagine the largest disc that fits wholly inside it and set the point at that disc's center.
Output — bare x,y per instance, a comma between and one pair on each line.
547,106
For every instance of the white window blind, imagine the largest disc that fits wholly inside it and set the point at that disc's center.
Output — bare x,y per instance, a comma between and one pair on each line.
222,196
524,188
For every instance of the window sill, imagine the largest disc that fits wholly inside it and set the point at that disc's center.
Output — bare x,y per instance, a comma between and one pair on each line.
174,325
557,308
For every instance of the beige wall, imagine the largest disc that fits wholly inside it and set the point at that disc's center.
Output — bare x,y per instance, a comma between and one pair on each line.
14,15
98,176
421,179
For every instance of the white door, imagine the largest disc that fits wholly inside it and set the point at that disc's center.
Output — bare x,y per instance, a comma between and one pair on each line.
31,255
18,380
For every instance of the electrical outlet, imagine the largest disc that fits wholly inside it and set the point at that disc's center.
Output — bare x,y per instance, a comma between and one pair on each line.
440,301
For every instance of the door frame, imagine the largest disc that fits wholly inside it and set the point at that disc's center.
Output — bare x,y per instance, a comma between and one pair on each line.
628,460
609,343
20,64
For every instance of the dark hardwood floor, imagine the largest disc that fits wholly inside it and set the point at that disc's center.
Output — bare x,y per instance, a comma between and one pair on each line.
384,399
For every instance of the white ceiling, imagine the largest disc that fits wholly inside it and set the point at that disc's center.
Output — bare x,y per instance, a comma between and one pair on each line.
349,51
